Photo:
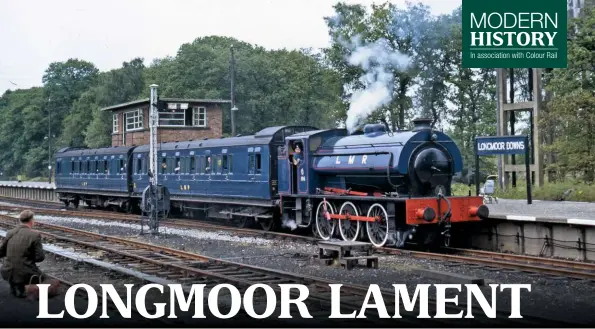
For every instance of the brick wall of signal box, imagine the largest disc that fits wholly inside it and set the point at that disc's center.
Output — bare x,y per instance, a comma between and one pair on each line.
214,129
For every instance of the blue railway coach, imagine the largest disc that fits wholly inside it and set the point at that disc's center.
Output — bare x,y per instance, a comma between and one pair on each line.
387,187
98,177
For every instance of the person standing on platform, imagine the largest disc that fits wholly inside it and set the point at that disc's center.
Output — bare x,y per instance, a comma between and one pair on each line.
21,250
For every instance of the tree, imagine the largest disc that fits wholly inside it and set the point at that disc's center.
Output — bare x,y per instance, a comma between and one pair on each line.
64,83
114,87
393,42
572,108
276,87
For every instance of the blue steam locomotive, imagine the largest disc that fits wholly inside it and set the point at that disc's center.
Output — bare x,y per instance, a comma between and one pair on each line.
386,187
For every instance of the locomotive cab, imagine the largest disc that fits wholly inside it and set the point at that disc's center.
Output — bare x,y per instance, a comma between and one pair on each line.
294,163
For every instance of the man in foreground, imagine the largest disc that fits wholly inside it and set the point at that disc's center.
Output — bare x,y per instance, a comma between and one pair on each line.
22,249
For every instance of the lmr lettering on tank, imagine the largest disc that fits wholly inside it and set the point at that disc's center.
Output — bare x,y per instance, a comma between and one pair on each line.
503,145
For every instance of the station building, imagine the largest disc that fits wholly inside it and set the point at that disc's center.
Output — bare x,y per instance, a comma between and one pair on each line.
179,120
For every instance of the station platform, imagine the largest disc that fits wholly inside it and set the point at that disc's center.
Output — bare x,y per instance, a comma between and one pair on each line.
558,212
40,185
555,212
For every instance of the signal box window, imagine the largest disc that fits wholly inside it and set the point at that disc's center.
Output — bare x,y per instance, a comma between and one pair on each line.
199,116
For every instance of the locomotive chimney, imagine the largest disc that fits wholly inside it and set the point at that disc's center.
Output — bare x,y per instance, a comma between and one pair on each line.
422,124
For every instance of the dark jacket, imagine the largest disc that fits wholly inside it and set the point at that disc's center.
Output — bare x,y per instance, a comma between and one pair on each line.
22,248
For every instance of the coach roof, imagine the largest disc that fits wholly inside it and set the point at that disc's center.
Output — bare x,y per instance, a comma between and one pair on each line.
68,152
263,137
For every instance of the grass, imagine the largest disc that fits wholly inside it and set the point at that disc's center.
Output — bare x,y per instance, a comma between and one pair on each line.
548,192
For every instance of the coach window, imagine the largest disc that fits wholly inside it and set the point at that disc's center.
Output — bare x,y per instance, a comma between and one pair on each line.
251,164
139,166
178,166
163,166
106,167
171,165
184,165
96,166
145,163
230,163
192,165
72,166
219,164
258,164
225,165
208,164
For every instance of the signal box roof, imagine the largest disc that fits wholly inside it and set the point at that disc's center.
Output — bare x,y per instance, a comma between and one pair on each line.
143,102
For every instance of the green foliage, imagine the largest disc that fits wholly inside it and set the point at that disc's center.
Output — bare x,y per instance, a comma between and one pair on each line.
277,87
272,88
571,111
571,190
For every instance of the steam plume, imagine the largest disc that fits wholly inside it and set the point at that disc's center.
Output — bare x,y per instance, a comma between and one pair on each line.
378,62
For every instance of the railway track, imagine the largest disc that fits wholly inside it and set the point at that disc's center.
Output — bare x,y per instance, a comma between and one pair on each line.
523,263
94,274
32,203
177,266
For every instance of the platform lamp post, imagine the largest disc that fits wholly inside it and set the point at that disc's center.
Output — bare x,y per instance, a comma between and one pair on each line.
49,139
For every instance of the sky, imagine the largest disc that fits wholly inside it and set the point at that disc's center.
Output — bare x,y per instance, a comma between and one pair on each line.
35,33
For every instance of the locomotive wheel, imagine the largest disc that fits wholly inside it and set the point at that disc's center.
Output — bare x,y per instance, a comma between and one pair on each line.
349,229
245,222
267,224
324,227
377,230
129,207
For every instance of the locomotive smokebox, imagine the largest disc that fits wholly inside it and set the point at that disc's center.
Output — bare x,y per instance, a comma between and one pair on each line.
422,124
